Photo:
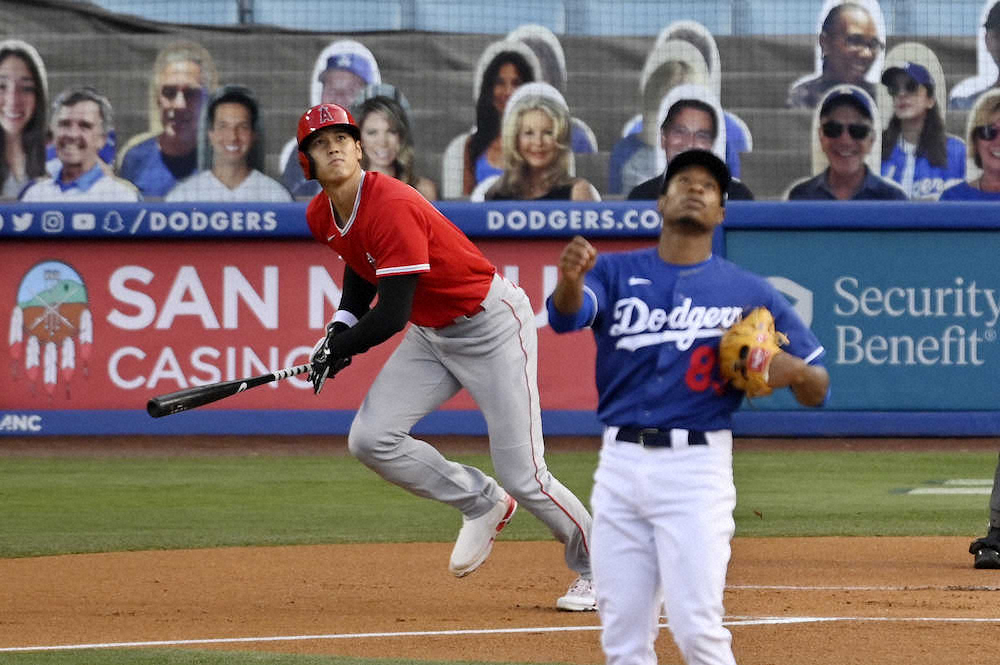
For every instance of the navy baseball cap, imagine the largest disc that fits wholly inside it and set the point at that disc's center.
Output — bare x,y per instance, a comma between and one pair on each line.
848,94
916,72
352,62
703,158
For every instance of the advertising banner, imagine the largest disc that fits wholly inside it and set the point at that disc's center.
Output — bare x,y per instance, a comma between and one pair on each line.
128,221
105,325
908,318
108,305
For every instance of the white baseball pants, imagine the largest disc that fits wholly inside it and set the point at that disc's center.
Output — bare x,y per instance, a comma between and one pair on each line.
663,521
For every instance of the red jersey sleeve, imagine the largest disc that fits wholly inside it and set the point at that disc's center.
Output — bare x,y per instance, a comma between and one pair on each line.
401,245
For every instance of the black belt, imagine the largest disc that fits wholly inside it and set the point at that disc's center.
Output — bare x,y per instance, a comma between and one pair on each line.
657,438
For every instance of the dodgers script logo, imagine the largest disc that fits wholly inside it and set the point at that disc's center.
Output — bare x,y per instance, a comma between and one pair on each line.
640,326
51,328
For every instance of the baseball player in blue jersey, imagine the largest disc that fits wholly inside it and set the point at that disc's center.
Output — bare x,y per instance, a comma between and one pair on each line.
663,495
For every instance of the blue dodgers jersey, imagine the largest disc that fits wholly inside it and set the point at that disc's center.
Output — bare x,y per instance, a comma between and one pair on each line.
928,180
657,328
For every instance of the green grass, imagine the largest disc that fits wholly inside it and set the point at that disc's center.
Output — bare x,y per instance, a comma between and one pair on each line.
69,505
65,505
802,493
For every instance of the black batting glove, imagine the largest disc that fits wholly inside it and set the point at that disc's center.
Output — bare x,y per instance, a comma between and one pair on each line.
323,366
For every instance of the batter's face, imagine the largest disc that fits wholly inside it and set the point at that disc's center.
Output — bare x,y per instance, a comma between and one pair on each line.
18,95
507,81
78,133
845,153
380,141
231,134
336,155
180,99
693,201
536,139
340,87
851,48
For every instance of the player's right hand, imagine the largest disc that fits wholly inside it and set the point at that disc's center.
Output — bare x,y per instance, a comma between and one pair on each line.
324,367
577,258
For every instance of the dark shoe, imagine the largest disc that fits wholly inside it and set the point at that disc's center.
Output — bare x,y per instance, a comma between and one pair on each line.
987,557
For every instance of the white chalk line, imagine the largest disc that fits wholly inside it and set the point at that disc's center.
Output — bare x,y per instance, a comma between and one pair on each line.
790,587
732,621
971,491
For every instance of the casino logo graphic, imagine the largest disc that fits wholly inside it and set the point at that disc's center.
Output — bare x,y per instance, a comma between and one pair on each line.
51,329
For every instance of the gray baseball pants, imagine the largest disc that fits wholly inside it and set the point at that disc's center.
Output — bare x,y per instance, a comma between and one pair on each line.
493,355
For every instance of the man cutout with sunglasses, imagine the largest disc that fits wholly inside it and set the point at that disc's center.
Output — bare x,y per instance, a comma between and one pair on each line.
846,136
155,163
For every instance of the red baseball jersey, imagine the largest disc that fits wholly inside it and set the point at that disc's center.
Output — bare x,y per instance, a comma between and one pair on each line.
393,230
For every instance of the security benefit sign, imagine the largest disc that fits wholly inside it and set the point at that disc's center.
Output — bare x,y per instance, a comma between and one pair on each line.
908,318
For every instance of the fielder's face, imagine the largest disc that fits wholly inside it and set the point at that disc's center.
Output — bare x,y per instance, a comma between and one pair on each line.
693,201
78,133
336,155
180,99
231,134
18,95
380,141
536,139
845,153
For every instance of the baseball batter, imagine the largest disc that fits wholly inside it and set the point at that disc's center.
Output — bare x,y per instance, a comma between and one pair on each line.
471,328
663,495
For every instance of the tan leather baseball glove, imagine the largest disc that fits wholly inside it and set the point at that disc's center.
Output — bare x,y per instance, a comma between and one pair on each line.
746,351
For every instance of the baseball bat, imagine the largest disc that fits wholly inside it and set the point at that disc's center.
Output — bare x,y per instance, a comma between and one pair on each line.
191,398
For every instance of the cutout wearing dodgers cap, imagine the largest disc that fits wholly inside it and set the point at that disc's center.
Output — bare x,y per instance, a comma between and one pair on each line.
352,62
345,55
916,72
848,94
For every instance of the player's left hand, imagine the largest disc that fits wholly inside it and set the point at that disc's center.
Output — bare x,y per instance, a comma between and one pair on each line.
323,366
746,352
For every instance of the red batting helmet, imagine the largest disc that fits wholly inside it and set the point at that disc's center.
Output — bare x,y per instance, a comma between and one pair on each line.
317,118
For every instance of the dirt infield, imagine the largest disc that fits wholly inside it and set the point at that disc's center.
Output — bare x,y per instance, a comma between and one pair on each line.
816,600
789,600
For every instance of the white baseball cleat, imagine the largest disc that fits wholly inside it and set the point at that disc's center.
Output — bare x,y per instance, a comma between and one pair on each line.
475,539
579,598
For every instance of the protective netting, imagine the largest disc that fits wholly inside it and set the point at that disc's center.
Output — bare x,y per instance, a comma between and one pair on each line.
613,62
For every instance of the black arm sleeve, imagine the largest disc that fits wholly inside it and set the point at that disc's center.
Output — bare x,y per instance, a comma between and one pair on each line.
357,294
388,317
